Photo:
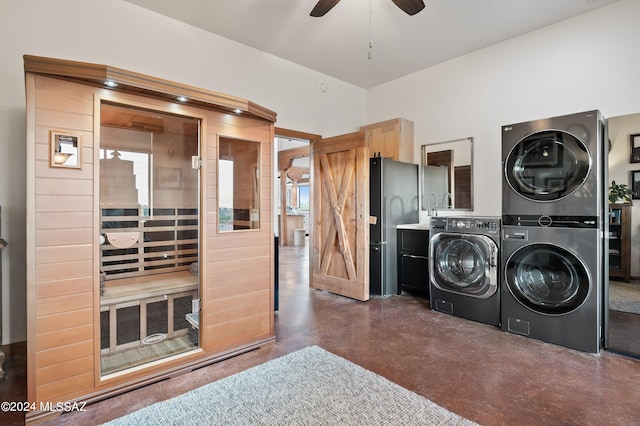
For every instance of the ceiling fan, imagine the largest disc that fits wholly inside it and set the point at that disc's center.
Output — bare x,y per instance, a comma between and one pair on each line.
410,7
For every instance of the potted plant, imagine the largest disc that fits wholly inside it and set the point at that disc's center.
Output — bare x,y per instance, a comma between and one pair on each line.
619,193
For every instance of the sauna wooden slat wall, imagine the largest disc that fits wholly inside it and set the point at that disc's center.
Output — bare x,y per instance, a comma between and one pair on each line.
63,227
236,301
60,241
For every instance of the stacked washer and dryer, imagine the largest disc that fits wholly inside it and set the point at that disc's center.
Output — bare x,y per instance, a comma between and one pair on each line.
541,271
554,218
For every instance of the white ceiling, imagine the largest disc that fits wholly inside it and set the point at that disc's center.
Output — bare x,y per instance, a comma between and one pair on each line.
338,43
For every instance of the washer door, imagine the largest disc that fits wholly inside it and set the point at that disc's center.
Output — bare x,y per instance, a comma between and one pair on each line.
547,279
547,165
465,264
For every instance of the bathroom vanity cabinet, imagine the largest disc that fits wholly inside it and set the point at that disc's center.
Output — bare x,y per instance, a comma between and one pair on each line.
149,229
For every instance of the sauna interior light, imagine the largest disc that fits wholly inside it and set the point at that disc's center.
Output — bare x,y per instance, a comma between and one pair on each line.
110,83
182,99
237,110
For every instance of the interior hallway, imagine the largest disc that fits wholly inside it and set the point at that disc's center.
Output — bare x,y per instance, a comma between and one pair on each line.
475,370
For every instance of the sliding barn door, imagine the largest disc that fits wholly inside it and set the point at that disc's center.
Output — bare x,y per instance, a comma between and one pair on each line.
340,235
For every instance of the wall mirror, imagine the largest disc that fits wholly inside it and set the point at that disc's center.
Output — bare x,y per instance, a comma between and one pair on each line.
238,184
447,175
623,320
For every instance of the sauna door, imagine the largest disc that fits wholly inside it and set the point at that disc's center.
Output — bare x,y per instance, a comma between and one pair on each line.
340,236
149,236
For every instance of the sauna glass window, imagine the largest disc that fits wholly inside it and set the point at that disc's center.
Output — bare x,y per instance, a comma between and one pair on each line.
238,184
149,236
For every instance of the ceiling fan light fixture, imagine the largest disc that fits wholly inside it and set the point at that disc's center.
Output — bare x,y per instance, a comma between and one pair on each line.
410,7
322,7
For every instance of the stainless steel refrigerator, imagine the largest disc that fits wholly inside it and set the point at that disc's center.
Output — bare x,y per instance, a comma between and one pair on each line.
393,198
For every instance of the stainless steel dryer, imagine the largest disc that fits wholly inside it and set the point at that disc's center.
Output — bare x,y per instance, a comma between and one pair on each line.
553,166
464,267
552,284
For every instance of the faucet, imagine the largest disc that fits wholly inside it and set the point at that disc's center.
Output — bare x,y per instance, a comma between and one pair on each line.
435,206
446,200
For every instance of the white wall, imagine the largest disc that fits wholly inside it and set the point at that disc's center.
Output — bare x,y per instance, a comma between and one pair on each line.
119,34
588,62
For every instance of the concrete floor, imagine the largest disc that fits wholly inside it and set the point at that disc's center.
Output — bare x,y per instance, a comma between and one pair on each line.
472,369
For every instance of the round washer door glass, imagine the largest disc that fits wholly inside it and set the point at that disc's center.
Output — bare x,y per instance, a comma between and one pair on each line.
547,165
547,279
464,264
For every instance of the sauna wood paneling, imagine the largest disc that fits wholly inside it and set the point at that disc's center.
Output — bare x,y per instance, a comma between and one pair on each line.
64,287
65,320
52,356
58,390
60,312
239,312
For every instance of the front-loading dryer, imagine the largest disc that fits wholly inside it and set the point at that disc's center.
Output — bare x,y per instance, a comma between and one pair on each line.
464,267
552,284
555,166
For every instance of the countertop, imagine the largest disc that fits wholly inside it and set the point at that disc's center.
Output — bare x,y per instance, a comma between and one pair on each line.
419,226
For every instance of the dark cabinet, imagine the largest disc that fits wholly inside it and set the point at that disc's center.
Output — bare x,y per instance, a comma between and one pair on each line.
620,241
413,260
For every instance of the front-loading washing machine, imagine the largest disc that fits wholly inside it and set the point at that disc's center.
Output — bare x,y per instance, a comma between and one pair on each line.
555,166
552,284
464,267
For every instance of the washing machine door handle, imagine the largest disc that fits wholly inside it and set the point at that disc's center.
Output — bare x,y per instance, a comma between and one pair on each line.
493,257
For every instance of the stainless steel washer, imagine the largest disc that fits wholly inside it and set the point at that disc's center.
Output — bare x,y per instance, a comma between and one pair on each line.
464,267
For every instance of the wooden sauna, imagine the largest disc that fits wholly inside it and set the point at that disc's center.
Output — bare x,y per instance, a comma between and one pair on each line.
149,230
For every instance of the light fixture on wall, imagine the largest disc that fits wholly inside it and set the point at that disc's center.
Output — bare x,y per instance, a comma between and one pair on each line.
60,157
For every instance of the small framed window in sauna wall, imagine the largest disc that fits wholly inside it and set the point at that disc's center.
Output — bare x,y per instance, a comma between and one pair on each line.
65,148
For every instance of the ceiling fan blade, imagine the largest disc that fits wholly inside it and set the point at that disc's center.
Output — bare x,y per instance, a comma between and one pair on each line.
410,7
323,6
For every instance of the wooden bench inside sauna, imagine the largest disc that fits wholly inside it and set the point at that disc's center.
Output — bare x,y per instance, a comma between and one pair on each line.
148,286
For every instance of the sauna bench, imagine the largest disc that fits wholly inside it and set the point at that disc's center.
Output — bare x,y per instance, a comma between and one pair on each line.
123,290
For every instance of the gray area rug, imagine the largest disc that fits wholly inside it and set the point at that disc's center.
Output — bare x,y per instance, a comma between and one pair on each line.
624,297
307,387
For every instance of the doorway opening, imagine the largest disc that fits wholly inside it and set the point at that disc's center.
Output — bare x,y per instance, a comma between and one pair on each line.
292,192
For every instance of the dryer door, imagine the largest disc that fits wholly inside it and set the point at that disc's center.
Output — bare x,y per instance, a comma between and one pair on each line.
547,279
547,165
464,264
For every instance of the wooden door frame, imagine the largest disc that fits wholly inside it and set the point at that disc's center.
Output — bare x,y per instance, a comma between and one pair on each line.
285,162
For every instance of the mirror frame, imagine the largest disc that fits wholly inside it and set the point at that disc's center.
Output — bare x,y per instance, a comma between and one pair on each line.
423,155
